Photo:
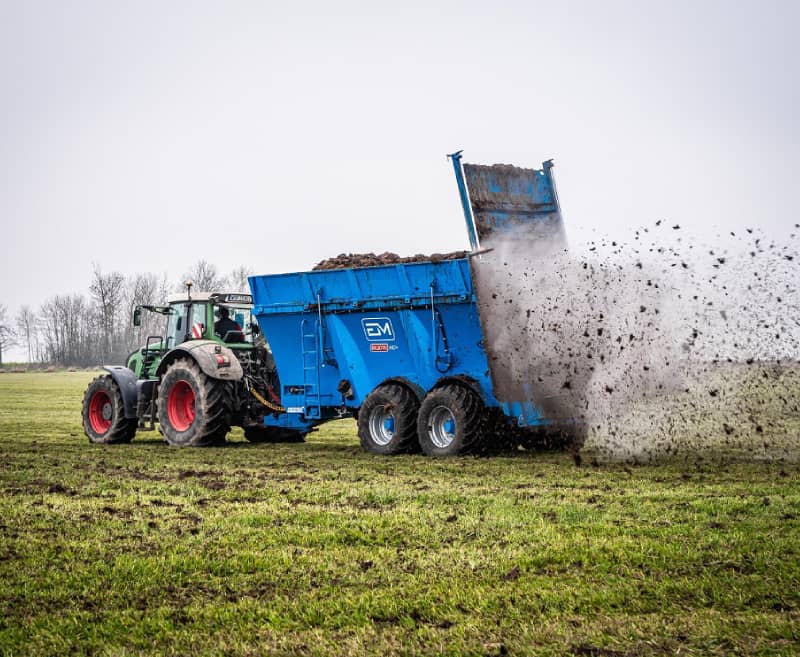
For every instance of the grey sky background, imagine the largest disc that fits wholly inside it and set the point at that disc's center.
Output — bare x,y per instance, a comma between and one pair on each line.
144,135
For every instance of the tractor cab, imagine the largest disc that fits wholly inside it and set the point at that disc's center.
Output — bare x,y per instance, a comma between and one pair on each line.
211,316
223,317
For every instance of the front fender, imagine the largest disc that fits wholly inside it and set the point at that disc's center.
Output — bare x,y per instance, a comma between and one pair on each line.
126,381
204,353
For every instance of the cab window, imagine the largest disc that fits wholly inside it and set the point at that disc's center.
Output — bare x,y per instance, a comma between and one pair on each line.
237,325
179,327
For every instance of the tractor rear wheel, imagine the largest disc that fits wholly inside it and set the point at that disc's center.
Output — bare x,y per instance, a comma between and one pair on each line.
387,420
193,409
260,434
452,420
103,413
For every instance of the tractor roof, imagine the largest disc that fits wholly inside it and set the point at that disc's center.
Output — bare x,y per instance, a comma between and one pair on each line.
232,298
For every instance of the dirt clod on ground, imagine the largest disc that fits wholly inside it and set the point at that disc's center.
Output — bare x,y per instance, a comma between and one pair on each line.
348,260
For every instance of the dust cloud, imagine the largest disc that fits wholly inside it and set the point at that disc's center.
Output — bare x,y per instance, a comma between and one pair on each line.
659,346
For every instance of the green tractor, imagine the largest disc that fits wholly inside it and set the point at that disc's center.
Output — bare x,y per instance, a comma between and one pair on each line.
211,370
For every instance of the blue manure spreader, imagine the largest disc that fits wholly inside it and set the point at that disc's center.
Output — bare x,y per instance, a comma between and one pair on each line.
403,347
417,351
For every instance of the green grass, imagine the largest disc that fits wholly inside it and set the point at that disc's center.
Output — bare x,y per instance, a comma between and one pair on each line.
320,549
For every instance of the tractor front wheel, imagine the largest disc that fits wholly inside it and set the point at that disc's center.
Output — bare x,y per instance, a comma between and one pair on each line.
452,420
103,413
387,420
193,409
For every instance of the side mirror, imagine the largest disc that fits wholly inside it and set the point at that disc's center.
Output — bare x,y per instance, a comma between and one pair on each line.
137,316
255,328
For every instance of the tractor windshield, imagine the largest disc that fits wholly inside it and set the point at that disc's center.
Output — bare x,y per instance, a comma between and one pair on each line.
233,323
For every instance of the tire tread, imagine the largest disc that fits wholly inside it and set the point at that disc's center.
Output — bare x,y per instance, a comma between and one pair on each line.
122,429
406,404
215,403
472,421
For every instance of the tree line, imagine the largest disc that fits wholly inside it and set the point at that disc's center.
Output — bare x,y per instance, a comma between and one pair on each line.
83,330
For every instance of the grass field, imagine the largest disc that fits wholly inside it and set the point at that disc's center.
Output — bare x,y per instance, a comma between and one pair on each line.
320,549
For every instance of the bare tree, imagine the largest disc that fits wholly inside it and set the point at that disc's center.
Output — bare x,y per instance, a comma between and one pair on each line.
27,331
50,330
237,279
164,289
205,278
7,335
69,332
108,291
143,290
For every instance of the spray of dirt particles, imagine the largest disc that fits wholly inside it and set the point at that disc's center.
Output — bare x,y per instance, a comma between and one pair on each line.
659,347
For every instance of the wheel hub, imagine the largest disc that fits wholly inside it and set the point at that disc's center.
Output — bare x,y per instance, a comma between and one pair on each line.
442,427
381,425
180,406
100,412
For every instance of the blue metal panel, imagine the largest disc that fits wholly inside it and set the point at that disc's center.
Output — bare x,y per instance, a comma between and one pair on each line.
295,421
504,197
417,322
363,288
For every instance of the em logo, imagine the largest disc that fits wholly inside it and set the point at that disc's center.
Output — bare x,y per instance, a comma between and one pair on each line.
378,329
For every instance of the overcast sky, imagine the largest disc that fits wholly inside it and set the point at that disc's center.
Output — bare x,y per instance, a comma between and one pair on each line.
143,135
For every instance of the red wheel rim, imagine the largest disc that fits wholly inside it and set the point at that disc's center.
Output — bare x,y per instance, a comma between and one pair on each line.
180,406
100,412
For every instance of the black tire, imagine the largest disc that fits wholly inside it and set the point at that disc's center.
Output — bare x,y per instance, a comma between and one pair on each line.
193,409
452,420
387,420
273,435
103,412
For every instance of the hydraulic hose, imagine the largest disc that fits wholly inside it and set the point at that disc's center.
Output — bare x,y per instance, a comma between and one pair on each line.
273,407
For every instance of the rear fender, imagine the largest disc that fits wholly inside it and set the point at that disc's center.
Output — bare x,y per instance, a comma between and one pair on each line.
464,381
204,353
413,387
126,382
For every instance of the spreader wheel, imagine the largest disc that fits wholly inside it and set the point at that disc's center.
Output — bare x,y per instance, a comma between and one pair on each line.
103,413
193,409
387,420
452,420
